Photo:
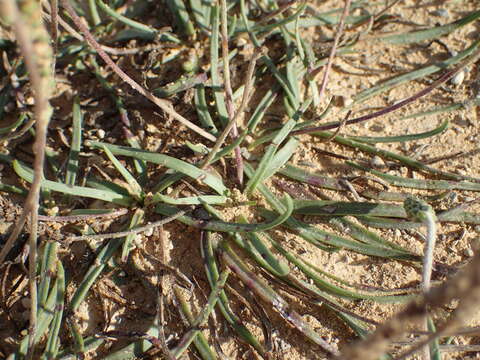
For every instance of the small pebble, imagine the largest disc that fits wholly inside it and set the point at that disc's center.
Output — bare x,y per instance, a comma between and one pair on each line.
477,228
458,130
343,101
458,78
440,13
468,252
462,121
52,211
377,162
101,133
148,232
377,128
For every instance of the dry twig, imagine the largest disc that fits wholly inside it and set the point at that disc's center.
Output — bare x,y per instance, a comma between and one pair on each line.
465,286
339,33
228,90
35,46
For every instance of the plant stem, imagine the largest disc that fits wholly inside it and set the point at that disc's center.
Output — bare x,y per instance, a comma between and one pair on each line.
431,225
421,211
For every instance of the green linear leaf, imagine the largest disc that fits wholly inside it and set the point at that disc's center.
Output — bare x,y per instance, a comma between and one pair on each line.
75,147
27,174
433,33
215,225
181,166
133,186
401,138
419,183
193,200
415,74
14,125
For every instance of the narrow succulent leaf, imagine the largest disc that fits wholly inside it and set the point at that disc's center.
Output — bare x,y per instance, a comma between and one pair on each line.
53,340
135,189
94,12
364,288
401,138
45,316
329,287
107,185
284,21
136,220
303,176
262,107
369,209
181,166
420,183
267,157
193,200
134,350
188,338
21,118
47,271
79,344
343,208
257,248
200,341
435,353
215,225
444,109
315,235
362,234
90,344
320,298
167,180
209,258
407,161
13,189
416,74
127,21
198,148
94,272
432,33
75,146
182,84
281,157
265,292
27,174
217,83
293,83
202,110
178,8
201,13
